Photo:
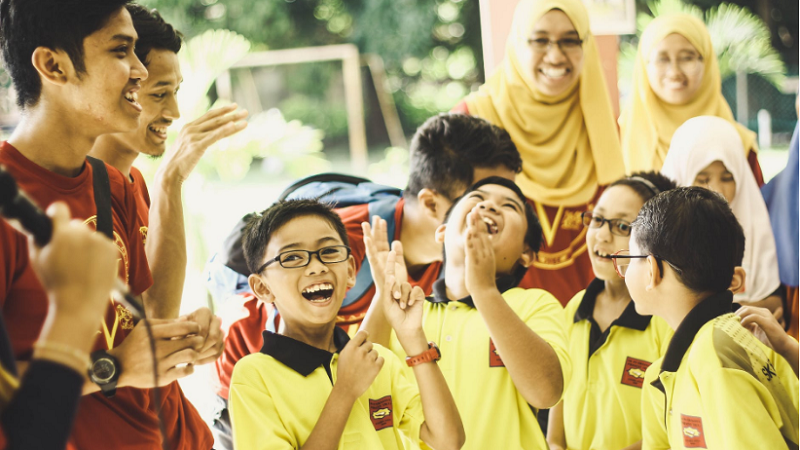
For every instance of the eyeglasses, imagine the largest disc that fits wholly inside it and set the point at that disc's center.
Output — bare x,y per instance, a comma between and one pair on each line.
295,259
566,45
622,259
688,64
615,226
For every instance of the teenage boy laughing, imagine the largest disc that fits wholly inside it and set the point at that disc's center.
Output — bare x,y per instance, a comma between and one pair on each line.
77,77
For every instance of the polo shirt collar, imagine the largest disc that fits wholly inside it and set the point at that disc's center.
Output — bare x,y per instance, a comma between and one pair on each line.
504,283
708,309
629,317
299,356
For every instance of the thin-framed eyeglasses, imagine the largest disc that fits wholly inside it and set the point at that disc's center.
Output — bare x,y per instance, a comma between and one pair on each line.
566,45
687,64
619,227
622,260
295,259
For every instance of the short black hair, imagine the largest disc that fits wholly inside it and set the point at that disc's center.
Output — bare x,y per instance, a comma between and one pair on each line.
154,32
447,148
533,236
646,184
55,24
695,230
261,227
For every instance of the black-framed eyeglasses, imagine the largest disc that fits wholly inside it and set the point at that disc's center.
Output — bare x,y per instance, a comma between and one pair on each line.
295,259
566,45
619,227
622,259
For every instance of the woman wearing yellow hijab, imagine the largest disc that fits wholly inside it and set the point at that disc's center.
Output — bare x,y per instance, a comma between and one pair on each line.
676,77
550,95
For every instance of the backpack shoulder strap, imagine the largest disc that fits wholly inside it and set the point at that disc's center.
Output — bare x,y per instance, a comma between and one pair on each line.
385,209
102,197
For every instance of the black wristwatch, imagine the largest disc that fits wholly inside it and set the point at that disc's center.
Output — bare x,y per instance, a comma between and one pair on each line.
105,372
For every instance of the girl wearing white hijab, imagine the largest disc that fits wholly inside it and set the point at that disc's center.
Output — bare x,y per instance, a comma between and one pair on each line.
707,151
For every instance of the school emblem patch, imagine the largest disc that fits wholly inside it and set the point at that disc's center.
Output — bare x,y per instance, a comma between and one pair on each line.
494,358
380,412
633,375
693,436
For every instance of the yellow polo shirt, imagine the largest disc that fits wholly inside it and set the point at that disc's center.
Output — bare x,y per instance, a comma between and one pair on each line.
718,387
494,413
277,395
602,403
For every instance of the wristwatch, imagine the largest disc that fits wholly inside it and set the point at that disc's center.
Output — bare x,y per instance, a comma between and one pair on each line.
105,372
431,354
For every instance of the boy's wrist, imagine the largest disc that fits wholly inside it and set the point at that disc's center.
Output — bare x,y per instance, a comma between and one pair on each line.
413,343
342,393
484,292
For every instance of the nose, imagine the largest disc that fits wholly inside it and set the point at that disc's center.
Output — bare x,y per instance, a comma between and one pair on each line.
171,110
316,266
138,71
604,232
554,54
488,205
714,185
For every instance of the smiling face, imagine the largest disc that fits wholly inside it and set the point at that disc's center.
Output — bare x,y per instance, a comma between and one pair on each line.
159,99
311,295
504,215
554,70
105,96
675,70
637,278
617,202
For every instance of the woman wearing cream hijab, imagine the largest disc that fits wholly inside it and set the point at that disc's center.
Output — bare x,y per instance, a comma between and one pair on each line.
707,151
676,77
551,97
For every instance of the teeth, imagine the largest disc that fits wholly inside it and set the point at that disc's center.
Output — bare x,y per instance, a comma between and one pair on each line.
132,97
159,130
554,73
317,287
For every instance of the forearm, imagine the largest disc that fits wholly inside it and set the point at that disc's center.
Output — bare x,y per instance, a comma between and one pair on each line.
789,349
555,428
532,363
329,428
442,428
375,323
166,250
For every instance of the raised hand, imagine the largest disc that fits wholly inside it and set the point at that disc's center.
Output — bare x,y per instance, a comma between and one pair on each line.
480,262
376,243
359,364
402,304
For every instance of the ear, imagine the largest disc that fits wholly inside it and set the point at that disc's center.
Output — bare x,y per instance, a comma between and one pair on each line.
738,281
439,236
528,257
433,204
351,271
54,66
260,288
654,275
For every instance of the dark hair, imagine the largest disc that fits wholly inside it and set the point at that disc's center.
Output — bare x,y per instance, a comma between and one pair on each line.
646,184
533,236
261,227
447,148
154,32
55,24
695,230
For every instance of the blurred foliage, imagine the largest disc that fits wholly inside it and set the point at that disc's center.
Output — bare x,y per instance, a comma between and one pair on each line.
431,48
392,170
740,38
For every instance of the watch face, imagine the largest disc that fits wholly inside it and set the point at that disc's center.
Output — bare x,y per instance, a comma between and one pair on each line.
103,370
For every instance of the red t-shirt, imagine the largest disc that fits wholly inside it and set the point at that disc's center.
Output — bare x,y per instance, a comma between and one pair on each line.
126,420
185,429
244,317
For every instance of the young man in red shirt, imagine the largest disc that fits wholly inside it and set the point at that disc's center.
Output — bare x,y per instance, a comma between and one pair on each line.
449,152
76,77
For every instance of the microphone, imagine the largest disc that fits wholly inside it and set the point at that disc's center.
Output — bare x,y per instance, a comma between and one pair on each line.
14,204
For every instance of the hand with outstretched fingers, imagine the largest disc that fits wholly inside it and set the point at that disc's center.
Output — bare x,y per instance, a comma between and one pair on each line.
402,304
376,244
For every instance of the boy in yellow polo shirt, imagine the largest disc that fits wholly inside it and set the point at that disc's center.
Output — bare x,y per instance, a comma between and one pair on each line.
312,387
717,386
503,348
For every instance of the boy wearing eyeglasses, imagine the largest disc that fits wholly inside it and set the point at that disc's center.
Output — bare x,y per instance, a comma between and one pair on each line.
717,386
311,386
504,350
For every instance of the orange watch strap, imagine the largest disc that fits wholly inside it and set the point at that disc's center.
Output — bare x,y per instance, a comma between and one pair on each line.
431,354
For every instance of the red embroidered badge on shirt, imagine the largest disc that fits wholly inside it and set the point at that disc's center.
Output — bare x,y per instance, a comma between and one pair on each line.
633,375
380,412
693,436
494,358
